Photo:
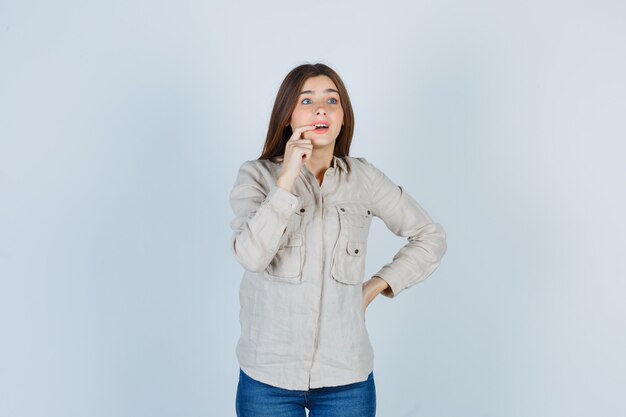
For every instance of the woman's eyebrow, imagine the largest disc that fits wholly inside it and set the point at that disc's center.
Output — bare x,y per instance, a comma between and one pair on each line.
328,90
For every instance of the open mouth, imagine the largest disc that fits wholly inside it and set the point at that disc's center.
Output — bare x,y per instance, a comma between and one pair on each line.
321,126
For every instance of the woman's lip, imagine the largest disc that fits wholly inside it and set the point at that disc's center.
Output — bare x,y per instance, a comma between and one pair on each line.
319,131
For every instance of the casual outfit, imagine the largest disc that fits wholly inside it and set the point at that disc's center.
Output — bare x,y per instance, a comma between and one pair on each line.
301,296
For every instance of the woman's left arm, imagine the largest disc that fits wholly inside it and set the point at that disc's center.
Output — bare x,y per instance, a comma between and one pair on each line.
426,244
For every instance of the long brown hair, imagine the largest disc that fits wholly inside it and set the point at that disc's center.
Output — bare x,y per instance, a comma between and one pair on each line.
278,134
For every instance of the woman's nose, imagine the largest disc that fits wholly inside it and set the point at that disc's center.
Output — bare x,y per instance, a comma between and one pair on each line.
320,110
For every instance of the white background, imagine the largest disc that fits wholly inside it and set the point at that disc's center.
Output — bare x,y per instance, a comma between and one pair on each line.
123,124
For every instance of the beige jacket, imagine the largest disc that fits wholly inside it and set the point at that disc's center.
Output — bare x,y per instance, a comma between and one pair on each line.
301,296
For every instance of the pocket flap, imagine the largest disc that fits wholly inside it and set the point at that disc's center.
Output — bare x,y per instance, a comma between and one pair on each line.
354,208
355,248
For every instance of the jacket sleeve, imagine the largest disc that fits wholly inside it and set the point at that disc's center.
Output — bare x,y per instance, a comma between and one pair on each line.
262,212
426,244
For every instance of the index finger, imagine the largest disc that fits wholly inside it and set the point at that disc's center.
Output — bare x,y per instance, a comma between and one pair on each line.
305,127
298,131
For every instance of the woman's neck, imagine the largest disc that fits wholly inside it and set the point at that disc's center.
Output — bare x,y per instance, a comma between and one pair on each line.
319,162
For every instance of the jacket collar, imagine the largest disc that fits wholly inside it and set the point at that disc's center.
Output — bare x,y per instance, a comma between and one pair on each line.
336,162
339,163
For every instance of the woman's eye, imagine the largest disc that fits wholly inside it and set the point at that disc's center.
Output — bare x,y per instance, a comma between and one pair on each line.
331,100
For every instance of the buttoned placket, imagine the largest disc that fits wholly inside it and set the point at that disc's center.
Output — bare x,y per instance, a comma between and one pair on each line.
307,176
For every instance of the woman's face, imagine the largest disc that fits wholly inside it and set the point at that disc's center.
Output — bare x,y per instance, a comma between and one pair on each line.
318,103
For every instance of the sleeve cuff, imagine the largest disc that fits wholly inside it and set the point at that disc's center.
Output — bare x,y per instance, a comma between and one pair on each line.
282,200
395,284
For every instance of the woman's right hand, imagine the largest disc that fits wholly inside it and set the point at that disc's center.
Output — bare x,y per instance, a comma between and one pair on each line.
297,152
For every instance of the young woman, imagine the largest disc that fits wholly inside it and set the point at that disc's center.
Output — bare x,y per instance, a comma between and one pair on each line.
302,216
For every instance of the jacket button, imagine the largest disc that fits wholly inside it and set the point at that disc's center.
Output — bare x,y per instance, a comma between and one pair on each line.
302,210
356,251
342,209
368,212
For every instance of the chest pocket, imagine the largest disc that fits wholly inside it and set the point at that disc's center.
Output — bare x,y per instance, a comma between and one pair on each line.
348,264
288,262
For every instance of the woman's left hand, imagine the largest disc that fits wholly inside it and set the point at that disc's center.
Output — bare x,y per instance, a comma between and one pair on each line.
371,288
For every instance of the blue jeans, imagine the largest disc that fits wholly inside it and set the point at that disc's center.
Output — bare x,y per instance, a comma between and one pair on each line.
257,399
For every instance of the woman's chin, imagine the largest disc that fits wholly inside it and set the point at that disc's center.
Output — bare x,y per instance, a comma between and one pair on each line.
323,138
321,142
